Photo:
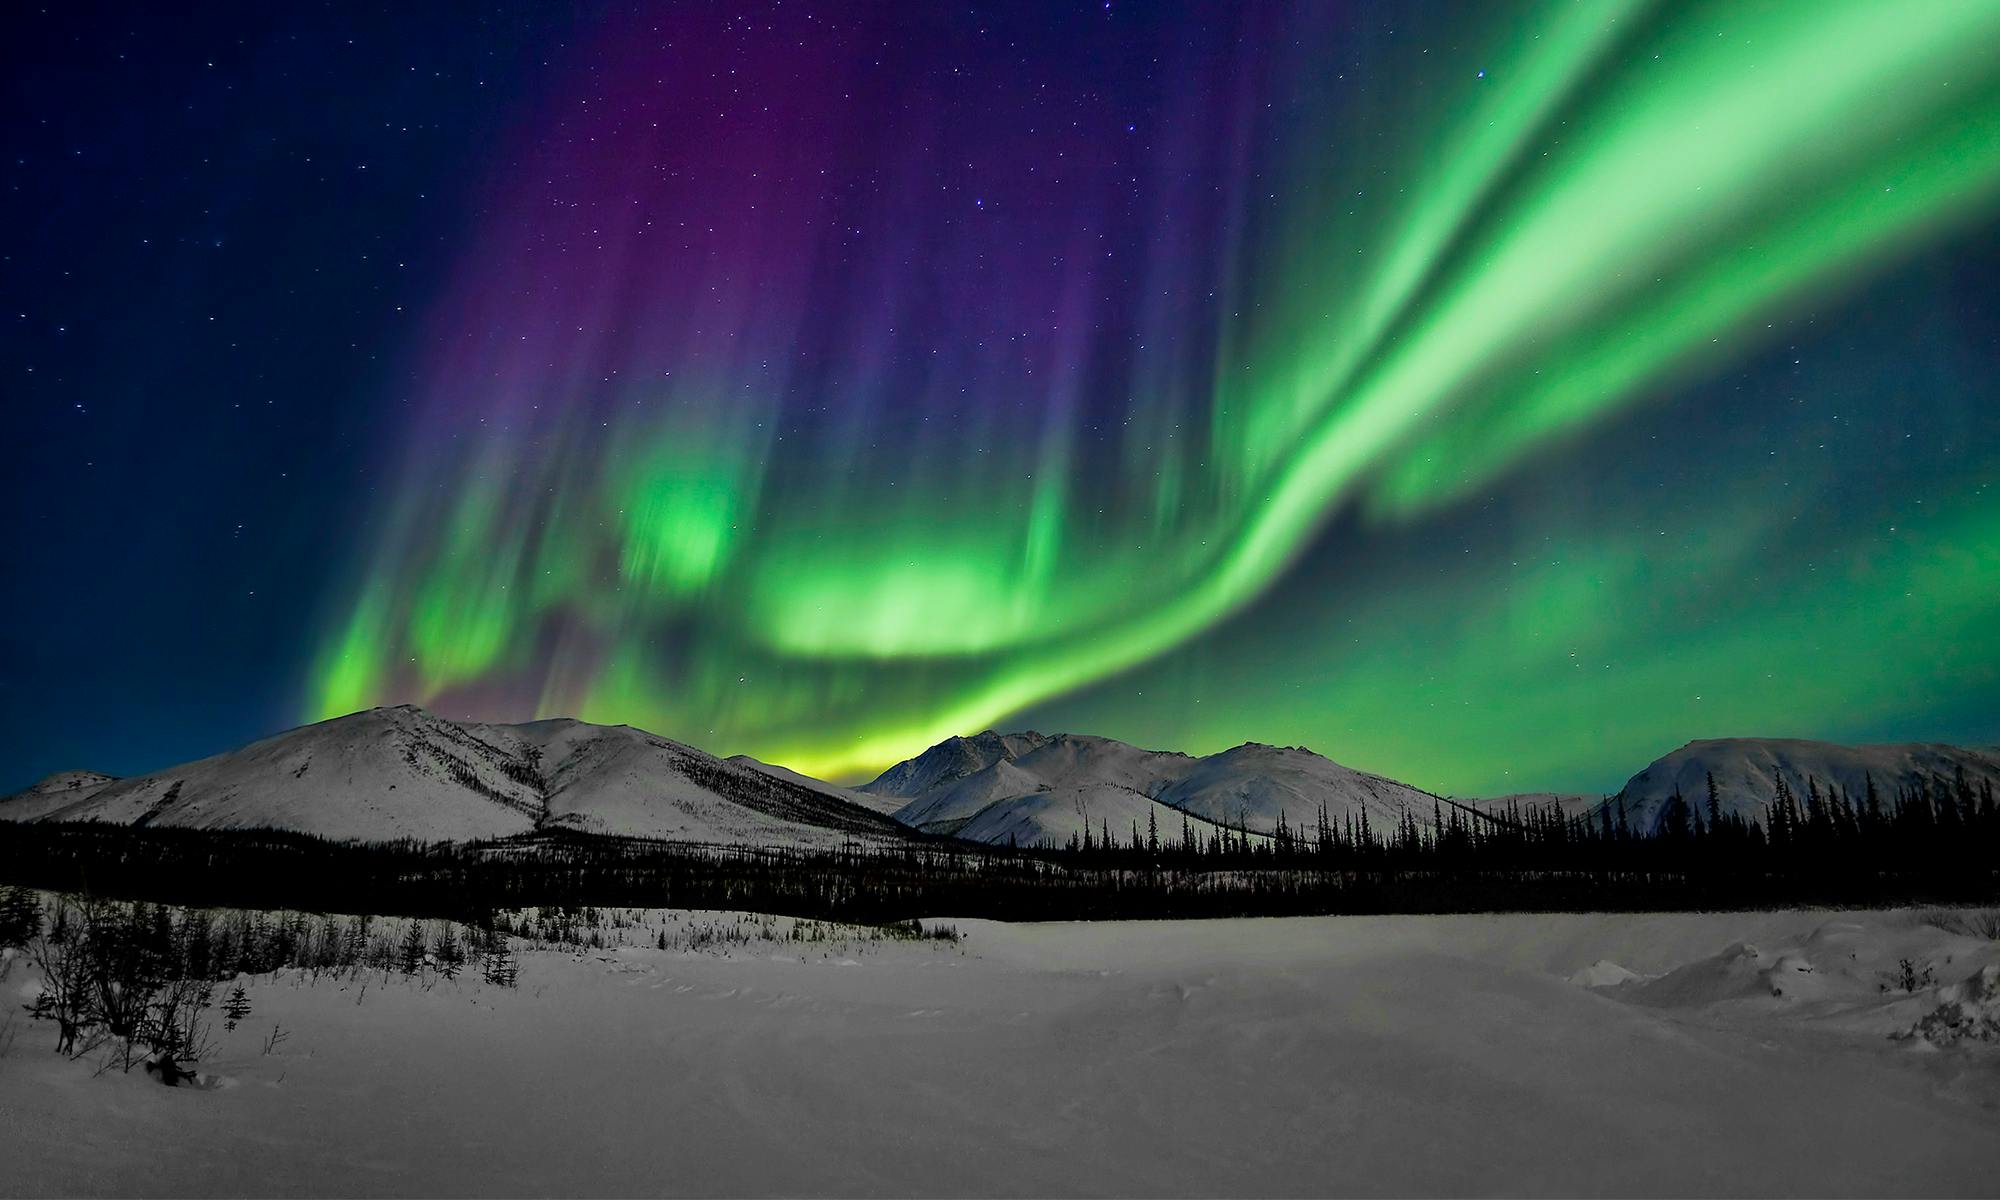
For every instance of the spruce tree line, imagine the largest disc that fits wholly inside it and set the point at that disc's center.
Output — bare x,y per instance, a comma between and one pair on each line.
1936,841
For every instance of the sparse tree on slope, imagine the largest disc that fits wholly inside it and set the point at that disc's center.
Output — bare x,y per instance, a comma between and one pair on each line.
414,949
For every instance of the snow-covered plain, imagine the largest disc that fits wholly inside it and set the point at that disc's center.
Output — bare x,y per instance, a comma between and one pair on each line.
1407,1055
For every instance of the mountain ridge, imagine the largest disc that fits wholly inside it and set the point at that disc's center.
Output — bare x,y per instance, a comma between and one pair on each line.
402,772
1030,787
1746,770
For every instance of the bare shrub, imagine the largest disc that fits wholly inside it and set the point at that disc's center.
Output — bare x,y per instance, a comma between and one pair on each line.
1968,922
61,952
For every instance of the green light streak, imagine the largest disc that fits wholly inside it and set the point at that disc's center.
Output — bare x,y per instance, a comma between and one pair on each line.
1630,195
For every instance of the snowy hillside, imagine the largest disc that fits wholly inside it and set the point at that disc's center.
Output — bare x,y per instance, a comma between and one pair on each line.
950,760
1100,779
405,773
1052,816
1253,784
868,800
1745,770
60,789
1030,787
1575,804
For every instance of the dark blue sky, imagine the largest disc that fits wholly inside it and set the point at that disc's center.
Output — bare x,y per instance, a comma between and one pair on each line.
224,228
215,222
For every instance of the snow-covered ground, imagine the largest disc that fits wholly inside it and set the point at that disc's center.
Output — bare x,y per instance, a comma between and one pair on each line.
1730,1054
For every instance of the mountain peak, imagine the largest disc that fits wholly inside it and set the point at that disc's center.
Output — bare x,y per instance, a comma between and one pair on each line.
1745,771
1031,787
400,772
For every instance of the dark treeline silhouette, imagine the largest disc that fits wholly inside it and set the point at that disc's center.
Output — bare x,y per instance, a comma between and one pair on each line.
1935,826
1935,842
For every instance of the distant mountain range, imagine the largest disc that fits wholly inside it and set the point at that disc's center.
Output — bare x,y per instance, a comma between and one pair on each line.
391,773
1033,787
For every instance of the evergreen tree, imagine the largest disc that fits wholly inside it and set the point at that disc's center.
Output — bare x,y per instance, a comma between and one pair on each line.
414,949
1674,823
20,916
451,952
498,964
236,1008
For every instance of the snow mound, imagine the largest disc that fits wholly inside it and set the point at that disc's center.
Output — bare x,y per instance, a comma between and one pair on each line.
1740,972
1603,974
1793,977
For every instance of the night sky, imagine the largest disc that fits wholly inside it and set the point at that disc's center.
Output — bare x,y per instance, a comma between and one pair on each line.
1490,396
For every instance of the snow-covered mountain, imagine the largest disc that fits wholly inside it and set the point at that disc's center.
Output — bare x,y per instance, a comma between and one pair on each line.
405,773
953,782
54,792
1254,783
1031,787
950,760
873,803
1745,771
1575,804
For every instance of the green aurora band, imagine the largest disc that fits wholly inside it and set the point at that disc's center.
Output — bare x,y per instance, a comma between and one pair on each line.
1625,198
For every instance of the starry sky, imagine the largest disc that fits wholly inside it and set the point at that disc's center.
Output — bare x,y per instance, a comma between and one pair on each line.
1491,396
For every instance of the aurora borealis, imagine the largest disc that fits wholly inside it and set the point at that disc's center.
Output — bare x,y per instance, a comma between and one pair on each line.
1493,398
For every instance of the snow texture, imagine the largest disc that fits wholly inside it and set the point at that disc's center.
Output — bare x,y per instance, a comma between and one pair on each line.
1318,1056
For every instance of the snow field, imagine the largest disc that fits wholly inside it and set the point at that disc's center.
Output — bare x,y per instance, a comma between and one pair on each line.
1402,1055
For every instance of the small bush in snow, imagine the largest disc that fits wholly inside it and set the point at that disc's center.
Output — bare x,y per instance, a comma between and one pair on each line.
1970,922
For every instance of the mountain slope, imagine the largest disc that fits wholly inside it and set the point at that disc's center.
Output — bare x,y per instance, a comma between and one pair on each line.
868,800
54,792
1050,817
1031,787
1252,785
405,773
949,761
1745,770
